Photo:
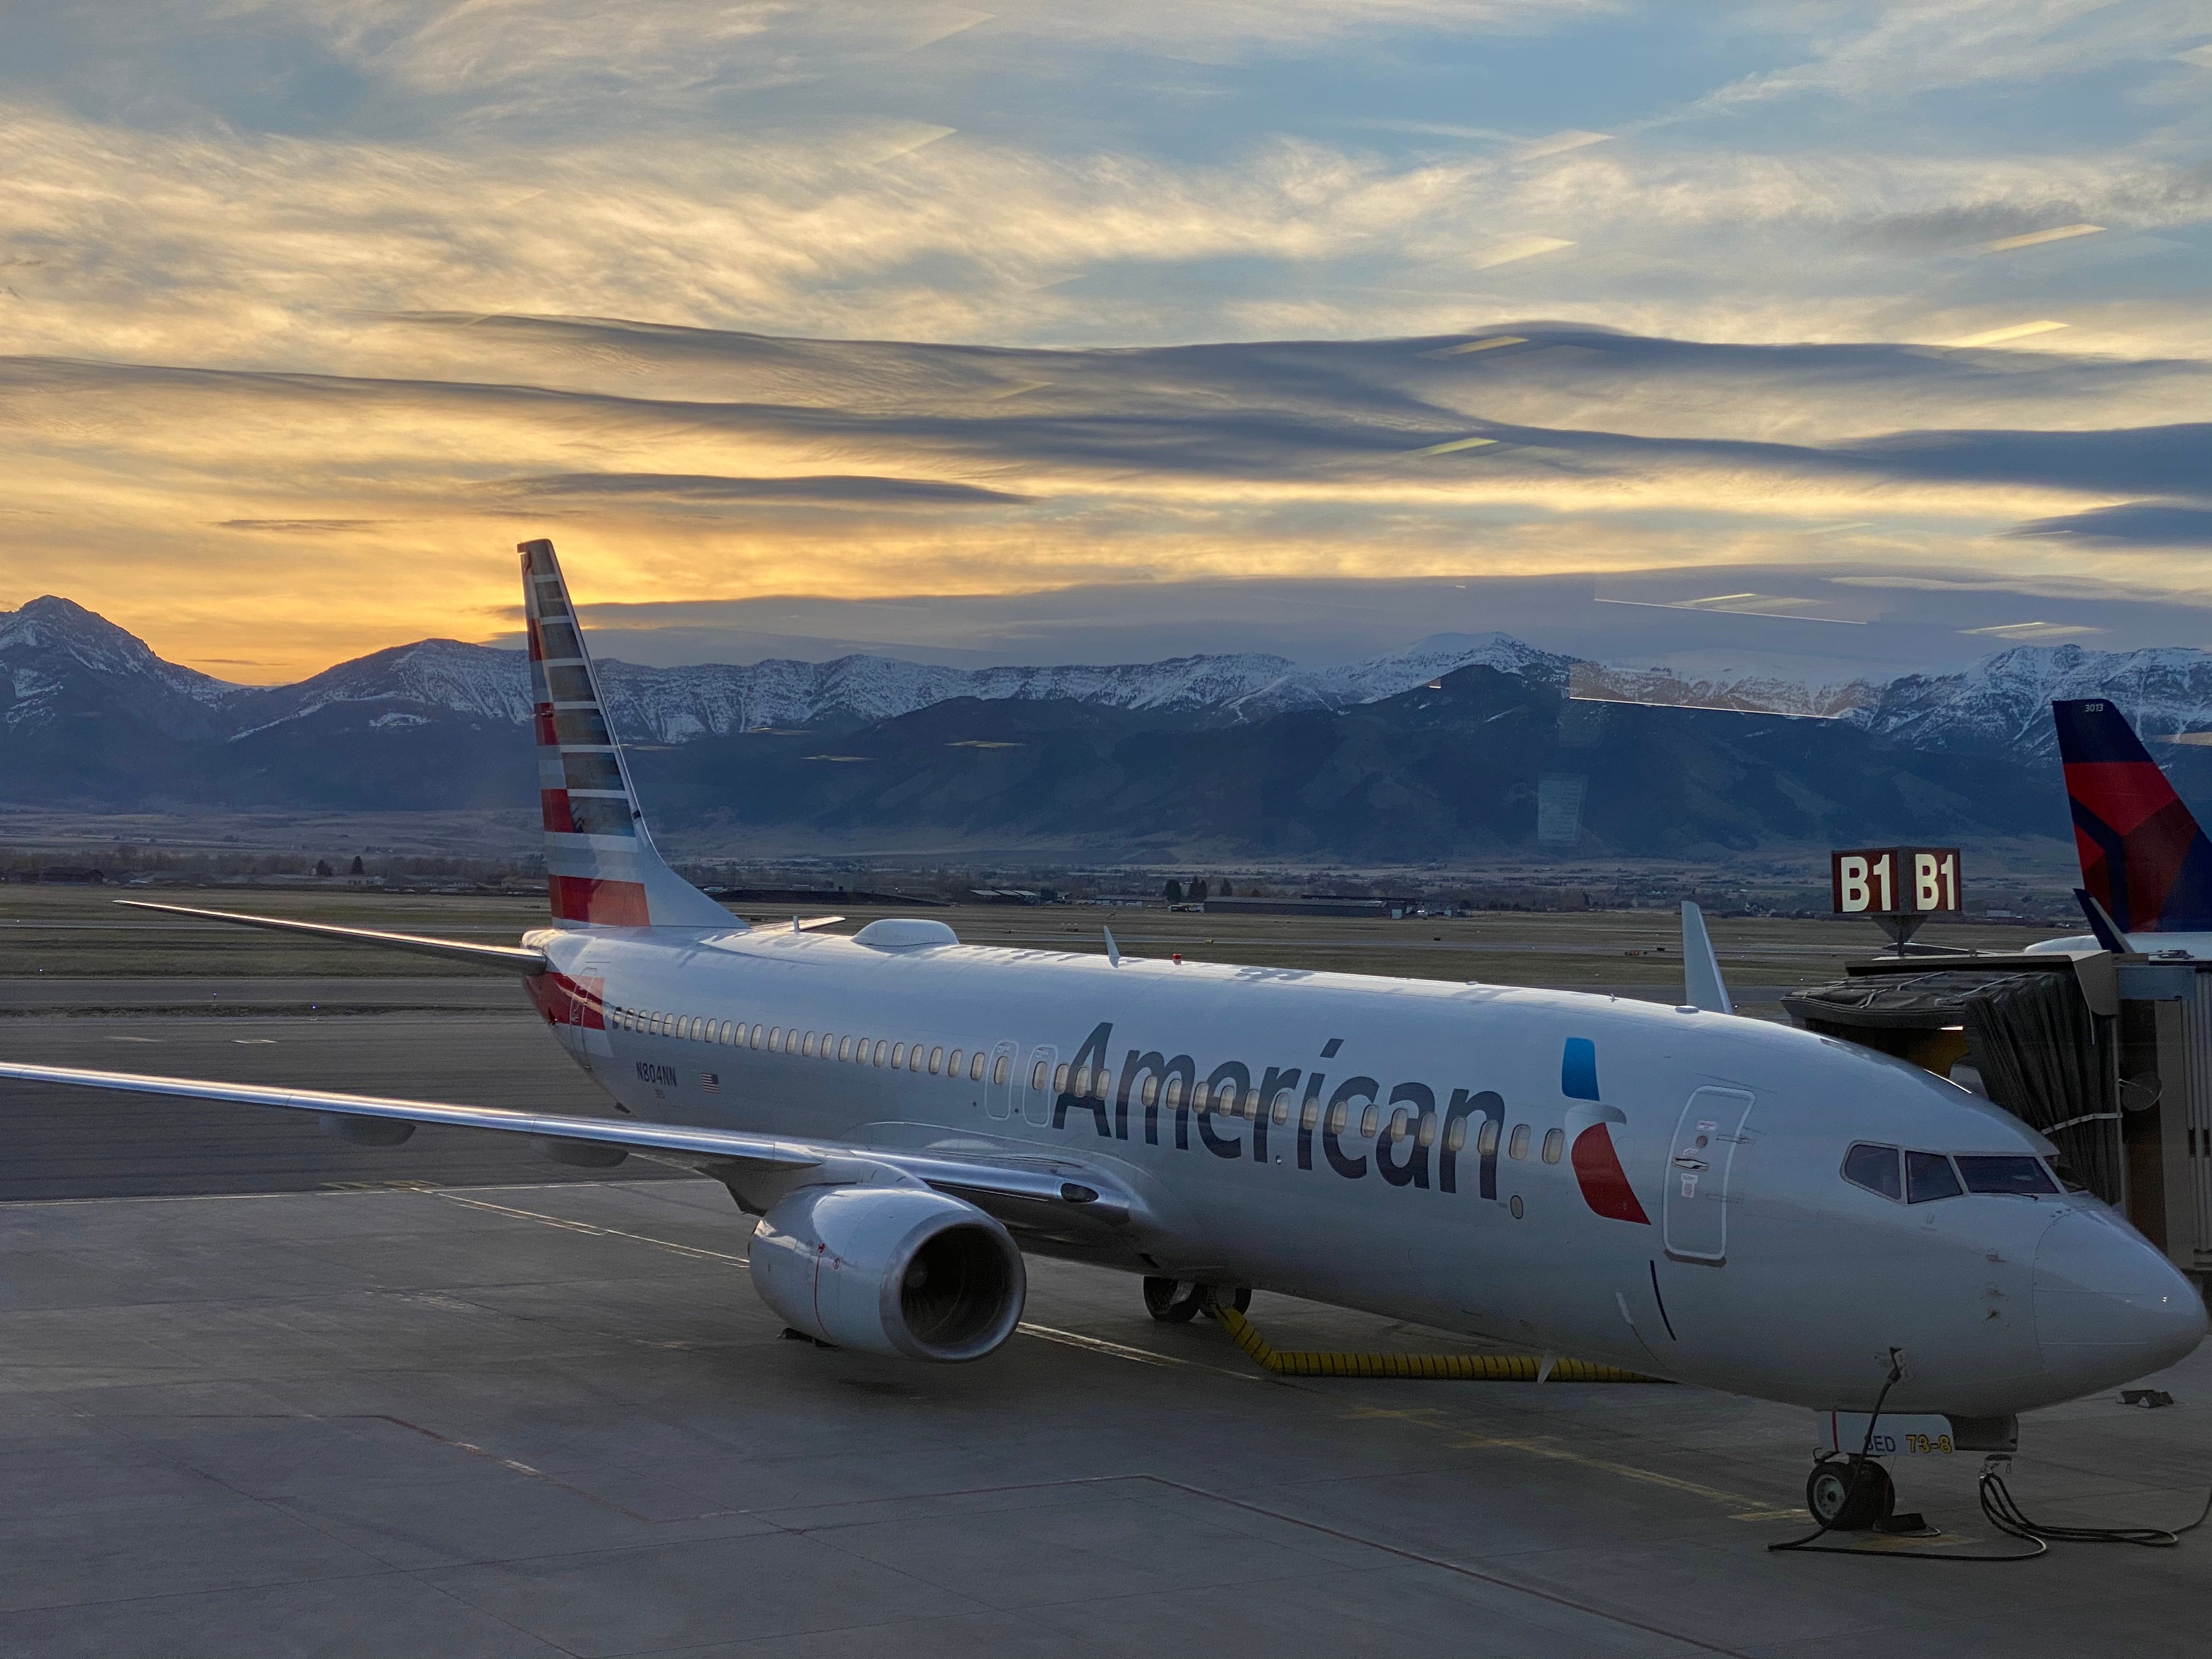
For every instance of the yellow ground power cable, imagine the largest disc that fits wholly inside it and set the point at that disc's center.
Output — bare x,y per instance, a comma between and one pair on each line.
1443,1367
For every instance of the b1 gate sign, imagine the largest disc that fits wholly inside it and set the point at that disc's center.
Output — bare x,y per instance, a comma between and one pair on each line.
1889,881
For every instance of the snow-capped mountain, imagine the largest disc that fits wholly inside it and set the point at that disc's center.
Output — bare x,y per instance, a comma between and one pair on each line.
675,705
58,658
61,664
2002,705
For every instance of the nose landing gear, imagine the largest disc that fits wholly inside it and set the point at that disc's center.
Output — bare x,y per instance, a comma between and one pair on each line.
1849,1494
1177,1301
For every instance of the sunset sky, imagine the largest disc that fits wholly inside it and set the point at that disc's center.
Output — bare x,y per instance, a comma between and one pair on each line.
1060,331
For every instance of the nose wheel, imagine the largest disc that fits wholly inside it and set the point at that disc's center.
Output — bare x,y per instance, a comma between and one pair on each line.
1849,1494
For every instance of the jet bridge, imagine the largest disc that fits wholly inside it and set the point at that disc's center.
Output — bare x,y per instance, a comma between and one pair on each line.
2109,1056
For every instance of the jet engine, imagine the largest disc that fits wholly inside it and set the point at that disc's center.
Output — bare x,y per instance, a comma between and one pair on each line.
904,1271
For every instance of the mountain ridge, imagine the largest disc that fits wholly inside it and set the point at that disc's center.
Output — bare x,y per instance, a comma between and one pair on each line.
89,715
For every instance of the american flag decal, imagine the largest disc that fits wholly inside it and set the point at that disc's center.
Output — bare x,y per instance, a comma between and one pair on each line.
710,1082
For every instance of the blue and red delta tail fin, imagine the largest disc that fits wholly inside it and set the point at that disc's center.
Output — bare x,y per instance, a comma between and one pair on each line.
2143,857
600,864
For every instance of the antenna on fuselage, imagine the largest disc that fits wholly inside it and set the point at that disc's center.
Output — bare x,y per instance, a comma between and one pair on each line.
1702,985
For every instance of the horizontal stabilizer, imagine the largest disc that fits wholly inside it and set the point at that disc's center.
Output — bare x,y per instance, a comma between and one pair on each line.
515,958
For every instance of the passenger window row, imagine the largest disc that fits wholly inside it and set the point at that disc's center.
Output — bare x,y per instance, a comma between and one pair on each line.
1225,1102
932,1058
1914,1177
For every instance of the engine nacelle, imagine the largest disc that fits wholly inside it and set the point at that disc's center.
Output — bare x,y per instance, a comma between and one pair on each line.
890,1270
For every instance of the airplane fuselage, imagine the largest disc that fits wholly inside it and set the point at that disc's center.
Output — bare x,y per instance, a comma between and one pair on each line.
1658,1188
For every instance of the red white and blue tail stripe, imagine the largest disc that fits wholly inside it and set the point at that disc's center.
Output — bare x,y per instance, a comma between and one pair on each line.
600,864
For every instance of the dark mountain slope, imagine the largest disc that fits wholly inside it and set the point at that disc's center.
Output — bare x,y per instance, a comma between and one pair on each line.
1432,773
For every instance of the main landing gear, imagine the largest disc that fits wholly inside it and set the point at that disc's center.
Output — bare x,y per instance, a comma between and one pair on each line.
1850,1494
1177,1301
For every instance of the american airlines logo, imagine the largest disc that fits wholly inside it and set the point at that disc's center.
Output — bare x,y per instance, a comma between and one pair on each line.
1290,1110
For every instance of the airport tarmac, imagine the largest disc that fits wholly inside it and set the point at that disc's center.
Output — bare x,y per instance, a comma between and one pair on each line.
299,1396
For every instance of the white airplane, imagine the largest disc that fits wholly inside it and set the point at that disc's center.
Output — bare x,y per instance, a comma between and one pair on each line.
1715,1200
2146,865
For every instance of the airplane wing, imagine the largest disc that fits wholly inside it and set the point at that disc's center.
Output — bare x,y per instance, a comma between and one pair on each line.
515,958
1050,1194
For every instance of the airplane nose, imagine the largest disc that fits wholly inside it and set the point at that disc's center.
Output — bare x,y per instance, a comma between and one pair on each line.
2108,1307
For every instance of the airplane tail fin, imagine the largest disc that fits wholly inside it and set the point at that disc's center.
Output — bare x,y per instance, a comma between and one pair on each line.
2144,859
601,866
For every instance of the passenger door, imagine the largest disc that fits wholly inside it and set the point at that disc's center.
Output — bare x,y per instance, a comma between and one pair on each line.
1700,1166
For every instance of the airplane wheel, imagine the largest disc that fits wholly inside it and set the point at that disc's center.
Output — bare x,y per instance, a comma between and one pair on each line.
1172,1301
1849,1494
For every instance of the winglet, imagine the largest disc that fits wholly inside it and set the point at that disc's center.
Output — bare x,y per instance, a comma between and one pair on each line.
1113,950
2101,925
1702,985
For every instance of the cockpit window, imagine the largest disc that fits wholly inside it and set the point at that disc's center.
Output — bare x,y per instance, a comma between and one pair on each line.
1929,1175
2067,1179
1988,1174
1873,1168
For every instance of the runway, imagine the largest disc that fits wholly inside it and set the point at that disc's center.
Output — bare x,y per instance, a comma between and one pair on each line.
262,1392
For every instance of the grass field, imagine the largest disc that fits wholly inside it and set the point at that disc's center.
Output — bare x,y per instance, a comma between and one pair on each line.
81,931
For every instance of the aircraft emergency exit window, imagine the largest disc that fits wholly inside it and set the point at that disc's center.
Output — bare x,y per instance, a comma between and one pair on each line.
1555,1142
1518,1146
1985,1174
998,1071
1929,1175
1873,1168
1486,1143
1036,1075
